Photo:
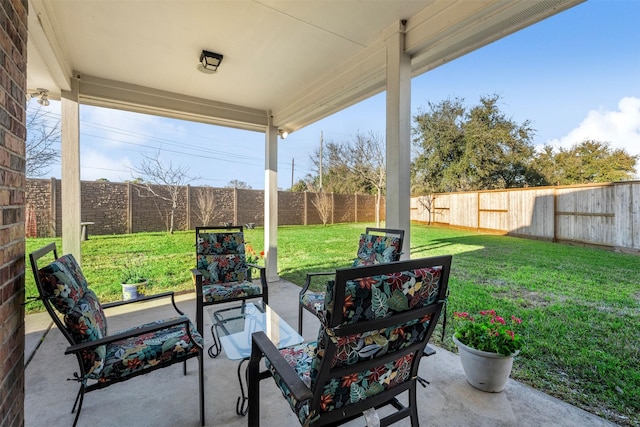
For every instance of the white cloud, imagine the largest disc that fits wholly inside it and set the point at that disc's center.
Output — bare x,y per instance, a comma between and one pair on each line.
94,165
620,128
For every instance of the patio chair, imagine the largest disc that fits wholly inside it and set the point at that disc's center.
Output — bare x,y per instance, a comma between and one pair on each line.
222,274
377,322
376,246
105,359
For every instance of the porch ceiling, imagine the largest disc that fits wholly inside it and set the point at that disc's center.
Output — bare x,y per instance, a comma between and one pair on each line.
301,60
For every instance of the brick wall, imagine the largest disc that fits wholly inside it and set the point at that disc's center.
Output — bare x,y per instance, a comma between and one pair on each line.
118,208
13,68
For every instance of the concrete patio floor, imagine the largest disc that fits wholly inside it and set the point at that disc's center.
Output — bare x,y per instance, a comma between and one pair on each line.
167,398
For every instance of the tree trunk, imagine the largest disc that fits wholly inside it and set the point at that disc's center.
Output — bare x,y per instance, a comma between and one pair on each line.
174,206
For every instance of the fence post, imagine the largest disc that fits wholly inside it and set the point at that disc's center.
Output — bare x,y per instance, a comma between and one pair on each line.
555,214
129,208
333,208
478,210
235,205
355,203
306,213
52,208
188,207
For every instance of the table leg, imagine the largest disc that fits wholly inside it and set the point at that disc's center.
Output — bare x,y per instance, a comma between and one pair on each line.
216,347
242,405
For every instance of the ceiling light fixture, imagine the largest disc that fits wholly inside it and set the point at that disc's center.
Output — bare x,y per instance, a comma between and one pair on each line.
209,62
283,133
42,94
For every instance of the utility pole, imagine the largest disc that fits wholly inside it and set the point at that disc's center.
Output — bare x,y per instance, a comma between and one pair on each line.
320,161
293,161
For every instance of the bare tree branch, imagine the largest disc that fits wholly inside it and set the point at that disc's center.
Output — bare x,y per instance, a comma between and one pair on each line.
167,179
206,203
42,138
323,203
365,159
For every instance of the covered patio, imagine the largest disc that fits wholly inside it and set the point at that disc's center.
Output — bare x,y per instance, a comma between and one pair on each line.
167,398
284,65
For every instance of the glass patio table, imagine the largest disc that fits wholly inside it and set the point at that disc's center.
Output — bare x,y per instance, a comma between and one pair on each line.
234,327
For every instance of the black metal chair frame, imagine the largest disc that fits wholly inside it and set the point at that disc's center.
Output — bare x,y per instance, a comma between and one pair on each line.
262,347
215,348
77,348
369,230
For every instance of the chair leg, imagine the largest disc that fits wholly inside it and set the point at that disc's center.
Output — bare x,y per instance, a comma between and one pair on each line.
201,384
300,311
253,386
444,318
78,402
413,405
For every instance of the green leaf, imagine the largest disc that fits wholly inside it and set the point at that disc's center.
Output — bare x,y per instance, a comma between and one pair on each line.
378,302
398,301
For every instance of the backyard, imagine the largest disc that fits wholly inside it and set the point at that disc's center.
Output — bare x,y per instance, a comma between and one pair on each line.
580,306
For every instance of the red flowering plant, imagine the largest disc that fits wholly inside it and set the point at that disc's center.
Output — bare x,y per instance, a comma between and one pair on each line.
251,255
488,332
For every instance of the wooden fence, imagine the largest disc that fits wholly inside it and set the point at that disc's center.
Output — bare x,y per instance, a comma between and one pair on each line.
605,215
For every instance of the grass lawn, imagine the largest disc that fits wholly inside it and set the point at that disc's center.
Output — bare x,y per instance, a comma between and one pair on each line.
580,306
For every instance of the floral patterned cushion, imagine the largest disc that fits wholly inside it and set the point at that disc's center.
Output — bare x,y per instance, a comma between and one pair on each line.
341,391
366,299
86,322
314,301
220,243
133,355
222,268
224,291
376,297
374,249
299,358
63,283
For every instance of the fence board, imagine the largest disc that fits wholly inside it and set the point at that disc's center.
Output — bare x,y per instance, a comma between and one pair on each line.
463,209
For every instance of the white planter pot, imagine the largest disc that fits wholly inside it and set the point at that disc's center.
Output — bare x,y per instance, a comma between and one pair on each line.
133,290
485,371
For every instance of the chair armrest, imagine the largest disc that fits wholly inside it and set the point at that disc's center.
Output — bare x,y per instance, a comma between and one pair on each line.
144,299
259,267
307,282
263,346
139,299
128,334
263,281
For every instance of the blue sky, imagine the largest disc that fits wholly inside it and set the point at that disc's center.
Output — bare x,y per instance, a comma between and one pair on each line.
574,76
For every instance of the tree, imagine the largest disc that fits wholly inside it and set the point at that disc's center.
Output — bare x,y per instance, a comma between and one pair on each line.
43,136
360,164
461,150
206,204
586,162
162,181
304,184
234,183
324,204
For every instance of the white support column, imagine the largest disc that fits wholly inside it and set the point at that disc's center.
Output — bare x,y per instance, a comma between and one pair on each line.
271,201
70,162
398,136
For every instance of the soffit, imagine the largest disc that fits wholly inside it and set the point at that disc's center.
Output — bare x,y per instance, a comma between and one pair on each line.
299,60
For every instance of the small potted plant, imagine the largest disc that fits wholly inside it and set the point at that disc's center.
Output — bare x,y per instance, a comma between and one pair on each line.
134,277
487,344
